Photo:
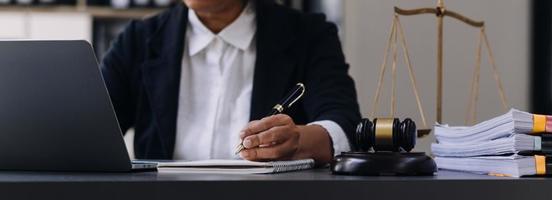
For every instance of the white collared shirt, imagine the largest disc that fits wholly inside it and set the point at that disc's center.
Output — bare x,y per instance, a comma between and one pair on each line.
215,90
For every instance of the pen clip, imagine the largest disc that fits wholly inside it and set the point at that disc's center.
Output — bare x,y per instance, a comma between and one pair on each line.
302,86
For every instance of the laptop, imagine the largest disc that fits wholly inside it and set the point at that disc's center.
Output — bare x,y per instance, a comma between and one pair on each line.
55,110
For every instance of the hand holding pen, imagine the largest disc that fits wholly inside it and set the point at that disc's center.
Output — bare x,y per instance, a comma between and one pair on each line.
274,136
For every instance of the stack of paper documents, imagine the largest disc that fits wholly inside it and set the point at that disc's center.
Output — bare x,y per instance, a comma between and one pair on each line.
506,145
501,146
513,166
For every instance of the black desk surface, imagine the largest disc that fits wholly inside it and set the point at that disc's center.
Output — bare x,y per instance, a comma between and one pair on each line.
310,184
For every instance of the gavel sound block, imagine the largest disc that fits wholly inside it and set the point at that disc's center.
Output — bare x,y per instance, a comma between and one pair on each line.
382,147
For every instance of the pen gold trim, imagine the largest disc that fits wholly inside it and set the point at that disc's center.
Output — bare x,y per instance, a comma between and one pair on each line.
280,109
302,86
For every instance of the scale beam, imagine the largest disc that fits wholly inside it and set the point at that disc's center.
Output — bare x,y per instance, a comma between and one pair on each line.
435,11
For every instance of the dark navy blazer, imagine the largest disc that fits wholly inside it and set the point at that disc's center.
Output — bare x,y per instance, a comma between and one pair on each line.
142,73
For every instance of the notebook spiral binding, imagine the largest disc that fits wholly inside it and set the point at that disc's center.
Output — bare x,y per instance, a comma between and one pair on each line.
285,166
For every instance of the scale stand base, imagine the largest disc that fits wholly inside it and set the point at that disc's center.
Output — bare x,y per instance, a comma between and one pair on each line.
383,164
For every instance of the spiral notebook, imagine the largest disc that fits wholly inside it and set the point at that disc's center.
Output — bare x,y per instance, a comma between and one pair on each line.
234,166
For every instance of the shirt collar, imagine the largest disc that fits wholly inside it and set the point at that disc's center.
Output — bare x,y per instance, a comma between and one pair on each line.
239,33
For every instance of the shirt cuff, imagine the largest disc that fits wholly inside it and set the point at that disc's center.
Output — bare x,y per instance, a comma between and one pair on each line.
339,139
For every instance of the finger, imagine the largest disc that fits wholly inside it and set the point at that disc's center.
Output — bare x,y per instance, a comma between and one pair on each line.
245,132
264,124
272,136
276,152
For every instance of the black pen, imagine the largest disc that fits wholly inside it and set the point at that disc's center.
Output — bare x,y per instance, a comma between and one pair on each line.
290,99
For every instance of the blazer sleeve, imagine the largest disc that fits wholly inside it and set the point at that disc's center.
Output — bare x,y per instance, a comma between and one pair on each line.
332,94
115,68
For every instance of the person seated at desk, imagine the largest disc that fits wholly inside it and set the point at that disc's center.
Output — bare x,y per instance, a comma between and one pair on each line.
192,77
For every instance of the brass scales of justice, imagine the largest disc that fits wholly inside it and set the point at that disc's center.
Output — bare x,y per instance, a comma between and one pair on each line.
397,36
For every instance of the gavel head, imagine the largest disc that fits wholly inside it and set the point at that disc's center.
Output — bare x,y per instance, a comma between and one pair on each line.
385,134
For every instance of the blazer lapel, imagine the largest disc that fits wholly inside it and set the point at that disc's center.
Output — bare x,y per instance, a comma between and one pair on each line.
274,63
161,75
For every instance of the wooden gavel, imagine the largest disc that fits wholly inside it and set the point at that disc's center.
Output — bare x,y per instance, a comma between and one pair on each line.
385,134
